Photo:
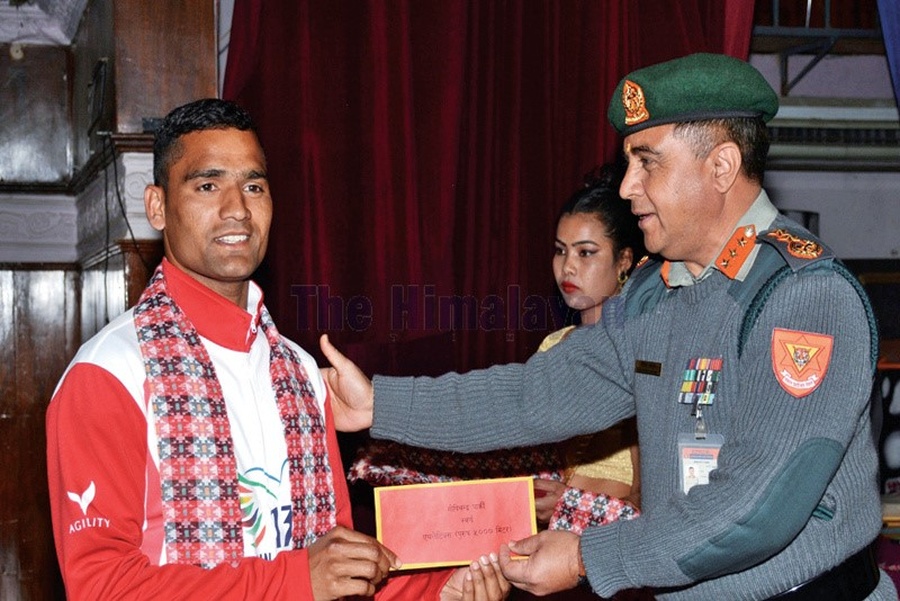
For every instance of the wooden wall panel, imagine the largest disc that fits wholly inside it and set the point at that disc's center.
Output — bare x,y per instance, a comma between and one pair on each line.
102,295
45,311
113,283
165,56
38,336
155,56
92,101
35,132
9,519
140,260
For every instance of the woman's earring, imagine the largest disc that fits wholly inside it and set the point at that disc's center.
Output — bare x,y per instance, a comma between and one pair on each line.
623,277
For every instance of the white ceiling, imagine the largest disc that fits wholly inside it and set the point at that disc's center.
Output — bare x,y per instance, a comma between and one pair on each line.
40,22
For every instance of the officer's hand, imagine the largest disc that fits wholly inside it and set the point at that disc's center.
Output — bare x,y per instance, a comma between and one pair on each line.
351,392
551,564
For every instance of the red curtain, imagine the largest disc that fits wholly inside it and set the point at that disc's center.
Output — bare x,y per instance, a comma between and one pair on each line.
419,151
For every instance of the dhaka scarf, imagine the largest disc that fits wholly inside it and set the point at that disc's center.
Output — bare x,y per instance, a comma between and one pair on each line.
197,466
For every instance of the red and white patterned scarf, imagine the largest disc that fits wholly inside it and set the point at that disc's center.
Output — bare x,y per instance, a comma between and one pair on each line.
197,466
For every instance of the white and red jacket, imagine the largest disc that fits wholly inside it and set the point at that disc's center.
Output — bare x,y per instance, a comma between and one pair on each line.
102,460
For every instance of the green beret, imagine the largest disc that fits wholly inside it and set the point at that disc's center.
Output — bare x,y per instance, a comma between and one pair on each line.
691,88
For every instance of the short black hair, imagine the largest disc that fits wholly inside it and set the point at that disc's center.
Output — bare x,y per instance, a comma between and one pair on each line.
199,115
750,134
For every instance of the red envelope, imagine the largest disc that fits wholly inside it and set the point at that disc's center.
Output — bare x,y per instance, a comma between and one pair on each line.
453,523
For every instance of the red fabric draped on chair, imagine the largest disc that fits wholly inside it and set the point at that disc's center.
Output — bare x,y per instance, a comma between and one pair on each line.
419,151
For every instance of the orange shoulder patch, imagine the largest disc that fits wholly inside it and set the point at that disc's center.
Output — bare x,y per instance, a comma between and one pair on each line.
800,360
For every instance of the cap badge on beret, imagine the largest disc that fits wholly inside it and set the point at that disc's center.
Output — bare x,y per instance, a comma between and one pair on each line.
634,103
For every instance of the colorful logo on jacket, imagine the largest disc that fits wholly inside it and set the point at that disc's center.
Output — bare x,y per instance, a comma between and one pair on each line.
700,380
800,360
266,510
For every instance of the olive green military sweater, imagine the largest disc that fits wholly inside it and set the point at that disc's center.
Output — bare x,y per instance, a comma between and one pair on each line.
795,492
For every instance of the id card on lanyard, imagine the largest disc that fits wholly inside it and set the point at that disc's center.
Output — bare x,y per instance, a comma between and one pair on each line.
698,451
697,457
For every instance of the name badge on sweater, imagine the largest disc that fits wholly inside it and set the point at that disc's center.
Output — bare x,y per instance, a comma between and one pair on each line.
649,368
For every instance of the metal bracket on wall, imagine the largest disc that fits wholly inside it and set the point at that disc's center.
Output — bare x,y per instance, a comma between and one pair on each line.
823,47
792,40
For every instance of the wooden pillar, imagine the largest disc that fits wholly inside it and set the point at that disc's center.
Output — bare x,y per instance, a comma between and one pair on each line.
140,259
38,336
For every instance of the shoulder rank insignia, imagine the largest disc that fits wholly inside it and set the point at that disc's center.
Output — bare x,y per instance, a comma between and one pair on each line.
796,246
643,260
736,251
800,360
